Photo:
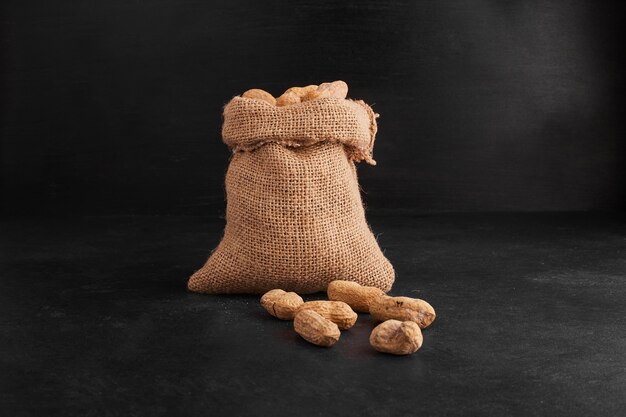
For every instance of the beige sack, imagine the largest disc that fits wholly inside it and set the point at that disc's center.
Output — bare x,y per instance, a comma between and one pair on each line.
294,216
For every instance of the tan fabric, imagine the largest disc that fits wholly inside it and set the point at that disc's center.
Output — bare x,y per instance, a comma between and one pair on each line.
294,217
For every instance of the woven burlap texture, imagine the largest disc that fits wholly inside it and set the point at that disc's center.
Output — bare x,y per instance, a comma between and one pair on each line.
294,216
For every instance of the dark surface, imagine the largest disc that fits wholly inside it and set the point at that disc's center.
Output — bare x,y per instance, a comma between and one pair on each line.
115,106
95,320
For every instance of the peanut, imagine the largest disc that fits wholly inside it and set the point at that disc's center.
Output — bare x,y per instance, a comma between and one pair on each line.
336,89
338,312
302,91
288,98
355,295
281,304
316,329
262,95
397,337
404,309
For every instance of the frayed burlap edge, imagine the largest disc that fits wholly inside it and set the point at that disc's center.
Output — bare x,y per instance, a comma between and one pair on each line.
250,124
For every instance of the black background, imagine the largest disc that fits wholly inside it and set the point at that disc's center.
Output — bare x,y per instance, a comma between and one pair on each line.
112,110
115,106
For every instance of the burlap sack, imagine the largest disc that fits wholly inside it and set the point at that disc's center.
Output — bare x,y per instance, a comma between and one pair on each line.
294,216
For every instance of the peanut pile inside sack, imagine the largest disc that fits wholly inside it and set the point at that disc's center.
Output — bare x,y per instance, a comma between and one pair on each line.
336,89
294,215
320,322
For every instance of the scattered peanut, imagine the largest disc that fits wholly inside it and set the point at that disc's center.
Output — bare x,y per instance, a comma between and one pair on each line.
336,89
258,94
355,295
316,329
338,312
281,304
404,309
397,337
288,98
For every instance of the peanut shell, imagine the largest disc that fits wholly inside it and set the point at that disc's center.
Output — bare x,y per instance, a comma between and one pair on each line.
262,95
302,91
316,329
336,89
338,312
281,304
357,296
397,337
288,98
403,309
